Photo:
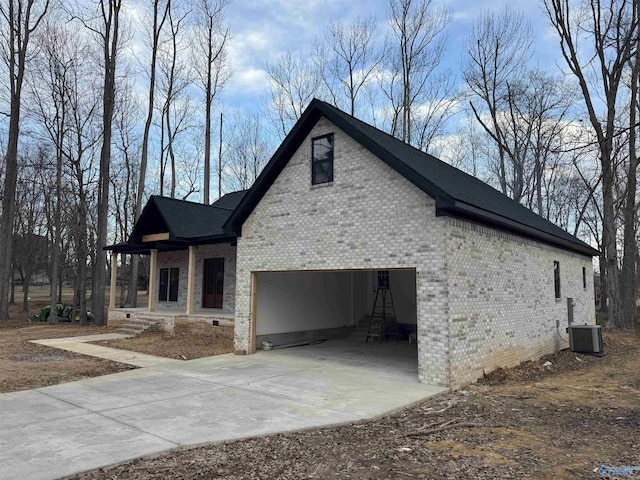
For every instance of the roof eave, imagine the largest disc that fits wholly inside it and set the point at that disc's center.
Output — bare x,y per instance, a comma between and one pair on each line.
171,244
464,210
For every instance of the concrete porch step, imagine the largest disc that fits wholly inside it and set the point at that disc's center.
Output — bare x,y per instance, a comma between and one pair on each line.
143,322
130,331
138,325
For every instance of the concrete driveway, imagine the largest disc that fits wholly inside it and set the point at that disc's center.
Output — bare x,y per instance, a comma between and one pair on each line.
57,431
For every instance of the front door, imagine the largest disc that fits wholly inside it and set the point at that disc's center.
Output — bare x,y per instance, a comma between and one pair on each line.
213,283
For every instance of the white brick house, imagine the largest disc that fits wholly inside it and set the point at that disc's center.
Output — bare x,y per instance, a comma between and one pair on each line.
483,281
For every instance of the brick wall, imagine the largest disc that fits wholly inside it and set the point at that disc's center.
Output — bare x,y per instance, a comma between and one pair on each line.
180,259
202,327
502,301
117,317
485,298
370,217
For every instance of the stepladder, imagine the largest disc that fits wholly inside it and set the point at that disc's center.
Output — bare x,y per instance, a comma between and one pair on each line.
383,323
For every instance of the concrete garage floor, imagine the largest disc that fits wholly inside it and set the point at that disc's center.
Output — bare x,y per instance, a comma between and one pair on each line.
57,431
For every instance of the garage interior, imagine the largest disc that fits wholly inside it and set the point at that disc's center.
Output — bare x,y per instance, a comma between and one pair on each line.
328,313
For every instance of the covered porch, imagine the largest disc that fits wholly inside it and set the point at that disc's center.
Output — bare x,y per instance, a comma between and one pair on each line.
192,264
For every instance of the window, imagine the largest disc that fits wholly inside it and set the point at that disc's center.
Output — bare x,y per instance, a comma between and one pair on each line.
584,277
169,278
322,160
556,279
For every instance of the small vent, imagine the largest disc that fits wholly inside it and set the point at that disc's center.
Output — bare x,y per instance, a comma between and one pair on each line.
586,339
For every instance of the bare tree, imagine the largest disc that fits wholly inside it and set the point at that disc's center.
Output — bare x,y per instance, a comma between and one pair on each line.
467,150
50,87
84,137
248,151
211,66
416,45
21,18
30,252
125,178
105,24
497,51
127,146
293,83
439,103
159,17
610,32
543,117
528,123
346,58
175,111
628,272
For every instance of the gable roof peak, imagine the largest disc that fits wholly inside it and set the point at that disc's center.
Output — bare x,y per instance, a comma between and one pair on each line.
456,192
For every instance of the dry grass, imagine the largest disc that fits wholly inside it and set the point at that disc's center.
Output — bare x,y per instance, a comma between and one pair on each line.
25,365
181,346
39,296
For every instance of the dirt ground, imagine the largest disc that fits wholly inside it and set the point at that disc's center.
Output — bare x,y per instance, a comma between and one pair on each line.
24,365
563,421
181,346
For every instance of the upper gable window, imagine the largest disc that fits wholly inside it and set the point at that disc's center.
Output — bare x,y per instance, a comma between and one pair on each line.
322,160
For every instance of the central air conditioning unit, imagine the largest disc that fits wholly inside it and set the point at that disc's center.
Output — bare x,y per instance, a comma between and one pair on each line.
586,339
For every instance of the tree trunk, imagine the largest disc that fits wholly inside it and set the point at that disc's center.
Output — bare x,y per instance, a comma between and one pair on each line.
111,37
53,290
538,168
25,293
220,160
628,274
57,227
207,124
12,298
207,139
8,207
132,294
604,292
172,157
82,264
610,253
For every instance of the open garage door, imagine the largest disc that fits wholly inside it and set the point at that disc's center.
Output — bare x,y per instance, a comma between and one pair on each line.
293,308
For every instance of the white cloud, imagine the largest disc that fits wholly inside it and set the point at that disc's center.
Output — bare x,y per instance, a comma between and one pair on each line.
248,80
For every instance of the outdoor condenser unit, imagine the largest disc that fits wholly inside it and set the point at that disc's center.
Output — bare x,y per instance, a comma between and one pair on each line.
586,339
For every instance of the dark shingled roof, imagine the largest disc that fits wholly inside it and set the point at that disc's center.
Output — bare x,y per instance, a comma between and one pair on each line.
456,193
186,222
230,201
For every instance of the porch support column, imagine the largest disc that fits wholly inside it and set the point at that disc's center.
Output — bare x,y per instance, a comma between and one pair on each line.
191,279
153,267
114,277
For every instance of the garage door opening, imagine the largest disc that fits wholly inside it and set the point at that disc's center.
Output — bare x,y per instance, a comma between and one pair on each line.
335,308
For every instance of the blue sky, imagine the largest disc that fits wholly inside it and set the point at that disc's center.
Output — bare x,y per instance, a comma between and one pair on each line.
265,29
